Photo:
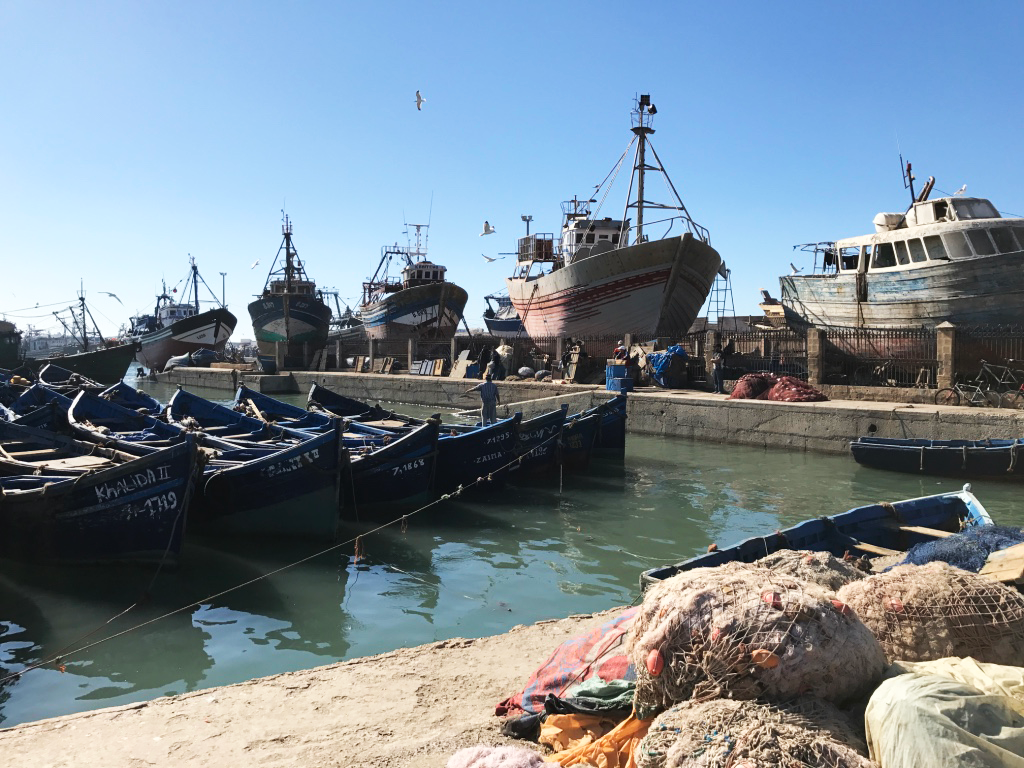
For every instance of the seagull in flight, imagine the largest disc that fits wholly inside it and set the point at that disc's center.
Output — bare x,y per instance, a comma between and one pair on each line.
490,258
108,293
488,229
419,101
254,264
796,270
960,191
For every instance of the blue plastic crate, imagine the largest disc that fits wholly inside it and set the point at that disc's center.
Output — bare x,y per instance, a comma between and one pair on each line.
619,384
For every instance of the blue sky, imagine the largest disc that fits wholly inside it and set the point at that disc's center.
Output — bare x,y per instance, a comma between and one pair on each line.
135,133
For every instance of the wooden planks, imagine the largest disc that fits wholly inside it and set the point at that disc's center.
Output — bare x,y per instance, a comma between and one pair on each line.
1006,565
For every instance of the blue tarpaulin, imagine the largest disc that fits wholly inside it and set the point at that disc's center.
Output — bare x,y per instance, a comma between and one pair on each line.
661,365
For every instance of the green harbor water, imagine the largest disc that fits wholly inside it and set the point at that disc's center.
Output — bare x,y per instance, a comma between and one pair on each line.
463,568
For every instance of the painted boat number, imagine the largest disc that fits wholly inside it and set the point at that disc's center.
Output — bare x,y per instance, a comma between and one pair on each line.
402,468
290,465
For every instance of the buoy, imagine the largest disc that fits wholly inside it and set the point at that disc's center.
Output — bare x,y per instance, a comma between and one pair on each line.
655,662
893,604
764,659
774,599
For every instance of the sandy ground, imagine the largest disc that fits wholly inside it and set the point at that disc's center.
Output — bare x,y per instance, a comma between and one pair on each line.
413,708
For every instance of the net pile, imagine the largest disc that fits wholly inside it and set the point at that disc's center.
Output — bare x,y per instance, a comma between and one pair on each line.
768,386
821,568
928,612
746,632
968,549
725,732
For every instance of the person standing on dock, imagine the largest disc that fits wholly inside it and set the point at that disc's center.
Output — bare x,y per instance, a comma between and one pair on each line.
718,370
489,399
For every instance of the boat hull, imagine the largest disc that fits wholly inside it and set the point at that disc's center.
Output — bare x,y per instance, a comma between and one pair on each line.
431,311
657,287
946,458
132,512
299,322
978,291
505,327
207,330
104,366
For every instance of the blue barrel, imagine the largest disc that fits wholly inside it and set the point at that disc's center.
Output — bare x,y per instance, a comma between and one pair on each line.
614,372
619,384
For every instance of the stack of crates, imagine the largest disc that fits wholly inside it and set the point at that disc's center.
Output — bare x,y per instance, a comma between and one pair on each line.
616,378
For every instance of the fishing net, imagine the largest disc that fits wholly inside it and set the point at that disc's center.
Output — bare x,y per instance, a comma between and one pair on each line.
768,386
968,549
724,732
927,612
821,568
746,632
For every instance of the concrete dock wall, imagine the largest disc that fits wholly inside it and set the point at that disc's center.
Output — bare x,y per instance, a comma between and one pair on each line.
827,427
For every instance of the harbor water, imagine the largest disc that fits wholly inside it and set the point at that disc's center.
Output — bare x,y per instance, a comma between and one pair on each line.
237,609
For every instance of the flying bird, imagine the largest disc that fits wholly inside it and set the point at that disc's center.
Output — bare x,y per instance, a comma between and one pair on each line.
488,229
796,270
108,293
419,101
961,190
490,258
254,264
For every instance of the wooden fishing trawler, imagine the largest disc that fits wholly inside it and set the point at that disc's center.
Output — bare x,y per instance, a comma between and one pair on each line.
421,305
10,345
605,276
501,318
180,328
952,258
290,318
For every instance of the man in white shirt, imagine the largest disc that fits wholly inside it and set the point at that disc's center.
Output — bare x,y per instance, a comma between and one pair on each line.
489,399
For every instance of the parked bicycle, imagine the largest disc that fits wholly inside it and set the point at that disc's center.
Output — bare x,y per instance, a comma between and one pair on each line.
969,393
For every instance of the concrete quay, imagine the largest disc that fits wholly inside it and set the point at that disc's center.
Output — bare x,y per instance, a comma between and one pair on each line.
826,427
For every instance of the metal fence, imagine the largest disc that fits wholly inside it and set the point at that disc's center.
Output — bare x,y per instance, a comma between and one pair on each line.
998,345
782,352
898,357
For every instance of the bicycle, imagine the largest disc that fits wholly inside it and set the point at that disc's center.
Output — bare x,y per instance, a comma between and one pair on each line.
972,392
1001,378
1014,399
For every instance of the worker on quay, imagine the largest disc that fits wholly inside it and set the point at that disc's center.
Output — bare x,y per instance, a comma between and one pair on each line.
621,353
489,399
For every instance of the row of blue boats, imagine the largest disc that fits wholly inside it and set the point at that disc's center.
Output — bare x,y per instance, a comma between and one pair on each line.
116,475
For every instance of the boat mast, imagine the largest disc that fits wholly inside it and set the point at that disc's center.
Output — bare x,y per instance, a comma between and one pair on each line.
289,251
195,281
642,115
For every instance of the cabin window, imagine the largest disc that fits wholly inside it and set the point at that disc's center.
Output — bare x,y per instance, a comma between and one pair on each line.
884,256
848,257
902,256
602,237
615,239
1003,237
590,237
982,243
942,210
917,252
975,209
936,251
957,246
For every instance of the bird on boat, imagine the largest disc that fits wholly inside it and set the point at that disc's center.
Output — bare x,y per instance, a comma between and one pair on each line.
254,264
108,293
491,258
419,101
960,191
488,229
796,270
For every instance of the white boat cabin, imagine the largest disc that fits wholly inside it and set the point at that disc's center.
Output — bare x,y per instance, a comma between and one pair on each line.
581,238
293,287
942,230
422,273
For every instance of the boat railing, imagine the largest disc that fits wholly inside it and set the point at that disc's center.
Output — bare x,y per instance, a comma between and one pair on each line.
695,229
537,247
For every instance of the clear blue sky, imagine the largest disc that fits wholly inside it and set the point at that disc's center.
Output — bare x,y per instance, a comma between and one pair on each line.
135,133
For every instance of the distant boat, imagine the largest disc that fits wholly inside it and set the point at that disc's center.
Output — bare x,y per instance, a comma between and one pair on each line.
501,318
290,311
605,277
179,328
420,305
947,458
952,258
10,345
106,363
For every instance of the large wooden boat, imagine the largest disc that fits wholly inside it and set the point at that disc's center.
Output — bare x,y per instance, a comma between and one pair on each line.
952,258
607,277
420,305
291,315
873,530
179,327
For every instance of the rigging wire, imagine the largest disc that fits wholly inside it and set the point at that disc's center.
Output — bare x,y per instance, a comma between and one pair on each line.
402,520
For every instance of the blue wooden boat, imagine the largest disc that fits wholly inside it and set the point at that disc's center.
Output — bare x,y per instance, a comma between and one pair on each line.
578,437
463,457
187,410
65,381
133,511
39,406
611,437
872,530
947,458
29,450
399,472
537,443
324,400
132,398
